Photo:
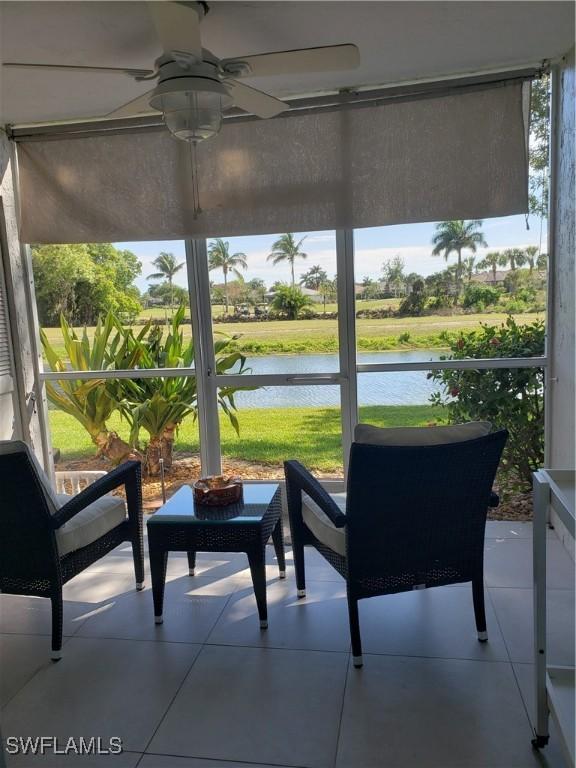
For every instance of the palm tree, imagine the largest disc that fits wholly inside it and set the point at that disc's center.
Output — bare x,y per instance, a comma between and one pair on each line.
314,277
287,249
515,257
456,236
492,261
469,263
531,252
167,267
219,257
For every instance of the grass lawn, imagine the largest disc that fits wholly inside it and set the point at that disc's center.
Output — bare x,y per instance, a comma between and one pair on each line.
267,436
302,336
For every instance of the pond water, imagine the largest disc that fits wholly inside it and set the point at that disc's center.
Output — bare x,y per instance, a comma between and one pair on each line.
397,388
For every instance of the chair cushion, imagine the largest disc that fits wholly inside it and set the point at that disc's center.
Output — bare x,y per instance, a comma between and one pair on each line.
416,436
321,525
89,524
18,446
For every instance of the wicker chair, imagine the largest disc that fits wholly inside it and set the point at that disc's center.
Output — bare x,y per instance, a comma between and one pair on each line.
413,517
47,538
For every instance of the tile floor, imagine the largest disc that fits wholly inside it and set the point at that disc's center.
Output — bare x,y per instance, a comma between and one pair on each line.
209,688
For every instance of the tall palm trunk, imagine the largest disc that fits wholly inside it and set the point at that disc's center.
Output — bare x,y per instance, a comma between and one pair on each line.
225,270
494,272
292,268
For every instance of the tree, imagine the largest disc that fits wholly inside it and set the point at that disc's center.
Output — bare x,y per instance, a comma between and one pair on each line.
516,257
531,254
538,153
492,261
82,281
290,300
393,271
287,249
167,266
469,263
455,237
313,278
165,293
255,290
542,262
219,257
327,289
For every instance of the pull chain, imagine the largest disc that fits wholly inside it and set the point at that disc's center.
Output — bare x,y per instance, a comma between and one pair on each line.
195,186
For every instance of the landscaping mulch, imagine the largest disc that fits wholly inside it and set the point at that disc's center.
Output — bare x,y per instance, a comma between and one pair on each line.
186,469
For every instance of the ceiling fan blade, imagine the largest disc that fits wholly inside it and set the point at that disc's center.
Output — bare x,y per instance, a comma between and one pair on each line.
328,58
137,106
133,72
178,27
253,101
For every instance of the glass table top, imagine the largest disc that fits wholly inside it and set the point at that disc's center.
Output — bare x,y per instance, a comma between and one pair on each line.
182,508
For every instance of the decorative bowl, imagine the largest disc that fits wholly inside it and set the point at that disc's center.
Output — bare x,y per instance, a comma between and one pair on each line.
217,490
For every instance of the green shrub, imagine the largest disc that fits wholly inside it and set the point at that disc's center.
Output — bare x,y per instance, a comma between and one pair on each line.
476,294
510,398
290,301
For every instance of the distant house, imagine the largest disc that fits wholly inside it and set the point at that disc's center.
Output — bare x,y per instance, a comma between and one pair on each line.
488,278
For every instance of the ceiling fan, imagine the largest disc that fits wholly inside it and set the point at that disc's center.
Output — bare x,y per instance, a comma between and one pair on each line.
194,87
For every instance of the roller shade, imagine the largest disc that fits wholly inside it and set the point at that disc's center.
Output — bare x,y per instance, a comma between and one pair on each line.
456,155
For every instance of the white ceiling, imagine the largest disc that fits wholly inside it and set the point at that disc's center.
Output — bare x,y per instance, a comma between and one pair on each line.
398,41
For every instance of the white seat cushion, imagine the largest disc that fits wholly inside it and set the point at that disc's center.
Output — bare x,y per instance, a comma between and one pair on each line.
321,525
88,525
415,436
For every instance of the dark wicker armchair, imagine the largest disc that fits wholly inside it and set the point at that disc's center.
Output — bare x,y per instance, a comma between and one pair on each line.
413,517
47,538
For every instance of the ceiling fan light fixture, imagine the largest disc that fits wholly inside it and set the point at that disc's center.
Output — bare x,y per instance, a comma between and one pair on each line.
192,106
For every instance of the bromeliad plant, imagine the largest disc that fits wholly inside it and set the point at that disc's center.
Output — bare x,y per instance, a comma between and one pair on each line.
92,402
158,405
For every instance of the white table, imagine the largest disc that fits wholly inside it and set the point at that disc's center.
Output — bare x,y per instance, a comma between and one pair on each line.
553,489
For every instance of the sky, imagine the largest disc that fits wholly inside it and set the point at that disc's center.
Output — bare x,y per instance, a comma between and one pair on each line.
412,242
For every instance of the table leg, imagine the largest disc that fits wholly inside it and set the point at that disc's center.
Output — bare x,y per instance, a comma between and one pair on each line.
278,541
191,563
158,562
257,560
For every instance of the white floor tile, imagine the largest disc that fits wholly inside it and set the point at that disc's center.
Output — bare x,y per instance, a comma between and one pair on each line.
508,563
258,705
429,622
510,529
434,713
164,761
51,760
102,688
33,615
317,622
514,608
21,656
192,606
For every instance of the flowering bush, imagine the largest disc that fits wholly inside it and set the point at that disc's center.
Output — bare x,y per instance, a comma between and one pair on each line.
510,398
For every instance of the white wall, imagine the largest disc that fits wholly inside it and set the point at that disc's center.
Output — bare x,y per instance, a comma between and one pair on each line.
562,320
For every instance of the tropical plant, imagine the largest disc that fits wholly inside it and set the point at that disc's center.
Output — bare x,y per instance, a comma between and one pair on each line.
290,301
542,262
219,257
477,294
167,266
469,263
531,256
314,277
92,402
287,249
158,405
515,257
510,398
455,237
492,261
